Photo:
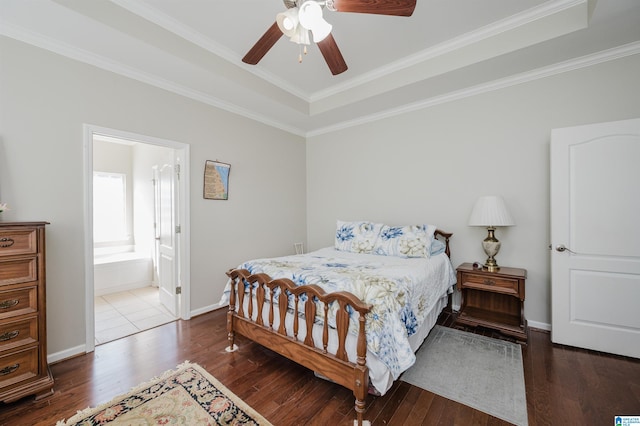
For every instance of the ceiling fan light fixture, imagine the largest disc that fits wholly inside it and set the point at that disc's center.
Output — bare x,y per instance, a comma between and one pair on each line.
300,36
310,17
321,31
288,21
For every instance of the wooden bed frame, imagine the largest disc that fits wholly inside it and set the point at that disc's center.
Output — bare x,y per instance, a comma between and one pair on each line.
334,366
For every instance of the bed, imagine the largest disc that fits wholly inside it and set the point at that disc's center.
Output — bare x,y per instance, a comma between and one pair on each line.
354,313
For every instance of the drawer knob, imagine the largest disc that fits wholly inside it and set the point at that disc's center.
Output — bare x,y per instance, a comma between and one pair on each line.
489,282
6,304
6,242
9,335
9,369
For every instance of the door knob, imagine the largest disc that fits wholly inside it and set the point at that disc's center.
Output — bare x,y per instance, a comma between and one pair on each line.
561,248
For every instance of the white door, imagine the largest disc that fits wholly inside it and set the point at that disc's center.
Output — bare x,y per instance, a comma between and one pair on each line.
595,237
167,236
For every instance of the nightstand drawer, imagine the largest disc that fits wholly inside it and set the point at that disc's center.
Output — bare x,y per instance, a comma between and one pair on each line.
494,284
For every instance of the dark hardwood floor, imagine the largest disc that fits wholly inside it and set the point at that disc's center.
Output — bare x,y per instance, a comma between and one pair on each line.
564,386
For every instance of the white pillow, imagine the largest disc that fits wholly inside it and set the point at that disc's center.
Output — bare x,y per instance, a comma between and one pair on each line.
405,241
357,237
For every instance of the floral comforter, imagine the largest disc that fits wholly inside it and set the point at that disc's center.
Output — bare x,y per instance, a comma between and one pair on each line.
402,292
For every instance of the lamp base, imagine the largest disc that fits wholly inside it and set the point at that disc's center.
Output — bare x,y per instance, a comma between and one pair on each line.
491,268
491,247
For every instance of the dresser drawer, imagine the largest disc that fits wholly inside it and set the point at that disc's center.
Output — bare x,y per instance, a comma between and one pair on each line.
18,366
18,270
18,333
20,301
495,284
18,241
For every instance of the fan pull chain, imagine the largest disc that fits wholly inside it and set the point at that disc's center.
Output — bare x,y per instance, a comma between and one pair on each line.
302,50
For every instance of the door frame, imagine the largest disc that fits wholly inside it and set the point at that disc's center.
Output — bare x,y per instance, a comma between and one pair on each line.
183,158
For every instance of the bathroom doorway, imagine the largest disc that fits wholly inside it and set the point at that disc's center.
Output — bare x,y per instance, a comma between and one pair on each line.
136,234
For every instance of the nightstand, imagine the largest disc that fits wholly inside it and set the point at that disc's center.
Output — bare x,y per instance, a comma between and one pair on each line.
493,299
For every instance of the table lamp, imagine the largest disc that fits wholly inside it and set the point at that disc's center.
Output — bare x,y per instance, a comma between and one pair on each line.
490,211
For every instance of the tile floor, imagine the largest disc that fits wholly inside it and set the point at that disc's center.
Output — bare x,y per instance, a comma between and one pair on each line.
128,312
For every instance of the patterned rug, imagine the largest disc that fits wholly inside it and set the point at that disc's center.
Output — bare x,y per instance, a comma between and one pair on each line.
480,372
187,395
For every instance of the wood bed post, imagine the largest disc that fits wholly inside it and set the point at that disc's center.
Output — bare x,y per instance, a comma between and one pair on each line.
361,387
233,275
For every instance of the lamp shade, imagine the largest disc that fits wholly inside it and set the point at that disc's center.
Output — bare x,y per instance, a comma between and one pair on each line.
490,211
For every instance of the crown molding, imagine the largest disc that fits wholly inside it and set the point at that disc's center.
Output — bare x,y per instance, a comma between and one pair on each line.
30,37
525,77
468,39
176,27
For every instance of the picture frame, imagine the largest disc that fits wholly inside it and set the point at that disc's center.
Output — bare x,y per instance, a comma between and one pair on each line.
216,180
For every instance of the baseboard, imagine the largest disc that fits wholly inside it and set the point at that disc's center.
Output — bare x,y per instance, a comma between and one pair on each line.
539,325
82,349
206,309
67,353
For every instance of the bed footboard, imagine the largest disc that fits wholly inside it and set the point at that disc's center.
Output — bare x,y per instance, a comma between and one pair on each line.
255,297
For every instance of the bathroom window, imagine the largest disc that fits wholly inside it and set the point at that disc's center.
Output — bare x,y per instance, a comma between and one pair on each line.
110,209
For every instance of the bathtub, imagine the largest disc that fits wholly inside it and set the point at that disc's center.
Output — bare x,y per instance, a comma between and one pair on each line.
121,271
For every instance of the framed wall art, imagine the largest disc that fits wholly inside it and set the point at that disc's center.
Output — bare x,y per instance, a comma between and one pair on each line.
216,180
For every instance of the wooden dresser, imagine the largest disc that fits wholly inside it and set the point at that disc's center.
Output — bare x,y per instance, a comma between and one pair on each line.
493,299
23,323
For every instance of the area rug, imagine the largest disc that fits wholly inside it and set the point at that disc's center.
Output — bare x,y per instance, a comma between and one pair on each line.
187,395
477,371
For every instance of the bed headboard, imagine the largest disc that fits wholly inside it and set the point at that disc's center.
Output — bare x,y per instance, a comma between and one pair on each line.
444,236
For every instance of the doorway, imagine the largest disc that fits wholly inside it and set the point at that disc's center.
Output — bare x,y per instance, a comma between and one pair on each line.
136,233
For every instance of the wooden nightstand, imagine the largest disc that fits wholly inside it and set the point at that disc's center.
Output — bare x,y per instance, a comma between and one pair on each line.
493,299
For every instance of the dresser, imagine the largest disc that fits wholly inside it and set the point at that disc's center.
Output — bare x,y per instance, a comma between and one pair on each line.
23,323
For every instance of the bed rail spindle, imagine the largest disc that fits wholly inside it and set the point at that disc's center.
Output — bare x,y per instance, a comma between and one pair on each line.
309,316
271,314
241,291
250,301
260,303
282,310
295,318
325,328
342,326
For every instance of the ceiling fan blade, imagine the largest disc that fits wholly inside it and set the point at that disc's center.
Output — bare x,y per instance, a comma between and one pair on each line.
263,45
378,7
332,55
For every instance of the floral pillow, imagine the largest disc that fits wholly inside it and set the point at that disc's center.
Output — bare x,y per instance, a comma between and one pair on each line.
357,237
405,241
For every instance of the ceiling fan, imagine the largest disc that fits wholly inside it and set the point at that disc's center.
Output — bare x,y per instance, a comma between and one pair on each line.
305,16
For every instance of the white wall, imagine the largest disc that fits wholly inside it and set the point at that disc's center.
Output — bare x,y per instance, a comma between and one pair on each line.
44,101
431,165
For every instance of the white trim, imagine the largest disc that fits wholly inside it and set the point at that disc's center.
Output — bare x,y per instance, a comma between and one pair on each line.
35,39
184,259
30,37
89,305
176,27
66,354
206,309
539,325
462,41
551,70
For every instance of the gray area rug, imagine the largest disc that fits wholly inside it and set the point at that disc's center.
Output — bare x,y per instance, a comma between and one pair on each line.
477,371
